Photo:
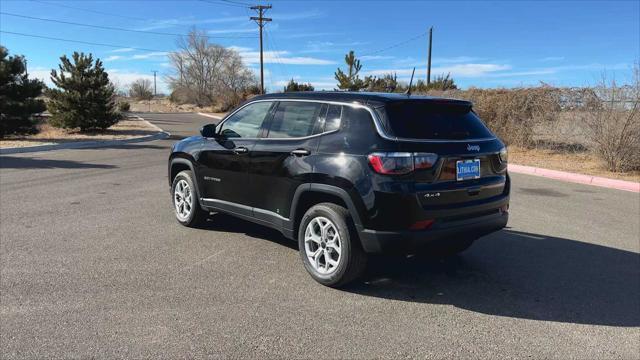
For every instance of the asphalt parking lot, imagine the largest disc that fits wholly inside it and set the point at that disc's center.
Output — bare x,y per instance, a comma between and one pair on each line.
93,264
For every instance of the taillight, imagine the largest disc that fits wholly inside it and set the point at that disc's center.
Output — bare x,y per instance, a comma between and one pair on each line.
398,163
422,224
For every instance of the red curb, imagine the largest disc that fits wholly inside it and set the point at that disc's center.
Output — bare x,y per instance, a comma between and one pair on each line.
577,178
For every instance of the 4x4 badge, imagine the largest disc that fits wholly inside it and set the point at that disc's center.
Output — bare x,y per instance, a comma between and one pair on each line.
473,147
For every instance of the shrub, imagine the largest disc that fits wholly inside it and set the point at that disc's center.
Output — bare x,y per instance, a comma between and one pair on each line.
386,83
293,86
84,97
124,106
614,125
18,96
141,89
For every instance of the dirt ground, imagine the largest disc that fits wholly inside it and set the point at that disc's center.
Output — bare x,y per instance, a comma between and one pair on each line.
48,135
576,162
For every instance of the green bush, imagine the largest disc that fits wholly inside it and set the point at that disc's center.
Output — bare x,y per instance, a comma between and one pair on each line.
18,96
124,106
294,86
84,97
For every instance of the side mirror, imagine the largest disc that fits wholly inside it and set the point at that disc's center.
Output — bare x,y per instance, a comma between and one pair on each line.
208,131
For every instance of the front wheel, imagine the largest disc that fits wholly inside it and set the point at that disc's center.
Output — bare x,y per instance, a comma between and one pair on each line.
329,246
185,200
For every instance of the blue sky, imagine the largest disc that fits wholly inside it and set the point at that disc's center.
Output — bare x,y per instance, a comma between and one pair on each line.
483,44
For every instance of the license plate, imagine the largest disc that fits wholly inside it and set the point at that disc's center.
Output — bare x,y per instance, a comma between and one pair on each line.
467,169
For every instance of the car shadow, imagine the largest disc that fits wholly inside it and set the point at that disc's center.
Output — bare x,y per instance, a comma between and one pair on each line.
227,223
520,275
8,162
509,273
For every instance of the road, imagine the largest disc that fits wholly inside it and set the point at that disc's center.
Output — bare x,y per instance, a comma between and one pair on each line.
93,264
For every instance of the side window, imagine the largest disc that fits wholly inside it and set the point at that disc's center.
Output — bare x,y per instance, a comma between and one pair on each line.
294,119
247,121
334,117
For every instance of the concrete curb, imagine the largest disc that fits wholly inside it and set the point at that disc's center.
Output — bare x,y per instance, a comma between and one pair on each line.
210,116
88,144
576,178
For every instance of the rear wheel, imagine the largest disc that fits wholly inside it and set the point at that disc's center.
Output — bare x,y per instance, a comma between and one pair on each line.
329,246
185,200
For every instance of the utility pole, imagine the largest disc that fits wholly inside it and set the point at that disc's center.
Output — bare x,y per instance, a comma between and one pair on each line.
154,83
429,60
261,20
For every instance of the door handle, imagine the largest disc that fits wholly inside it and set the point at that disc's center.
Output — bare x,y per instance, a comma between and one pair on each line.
300,152
241,150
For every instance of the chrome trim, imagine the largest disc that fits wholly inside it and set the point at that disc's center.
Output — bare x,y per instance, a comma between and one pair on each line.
376,122
245,207
267,212
300,138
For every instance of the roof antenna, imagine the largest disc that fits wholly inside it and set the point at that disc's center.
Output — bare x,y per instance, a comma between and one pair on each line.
411,82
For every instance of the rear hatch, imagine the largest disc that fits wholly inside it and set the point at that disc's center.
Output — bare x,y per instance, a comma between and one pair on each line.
469,166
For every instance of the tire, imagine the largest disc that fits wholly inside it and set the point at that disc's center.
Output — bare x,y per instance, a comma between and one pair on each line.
339,243
188,211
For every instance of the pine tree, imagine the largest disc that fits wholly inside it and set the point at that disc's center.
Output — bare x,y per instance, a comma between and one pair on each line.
18,96
350,81
293,86
84,98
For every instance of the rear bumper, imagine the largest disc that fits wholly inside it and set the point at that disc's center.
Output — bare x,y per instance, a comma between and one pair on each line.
374,241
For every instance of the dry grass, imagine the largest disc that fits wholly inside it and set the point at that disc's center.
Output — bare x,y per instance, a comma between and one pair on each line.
163,105
577,162
47,134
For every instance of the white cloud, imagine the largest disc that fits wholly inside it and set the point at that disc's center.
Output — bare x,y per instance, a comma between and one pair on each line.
233,31
375,57
552,58
149,55
298,35
455,60
315,13
122,50
41,73
329,46
113,58
155,24
187,21
278,57
457,70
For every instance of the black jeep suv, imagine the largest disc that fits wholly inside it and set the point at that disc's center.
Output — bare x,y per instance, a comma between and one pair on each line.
346,174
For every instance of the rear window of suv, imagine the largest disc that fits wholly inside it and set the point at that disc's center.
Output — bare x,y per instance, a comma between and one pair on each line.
424,120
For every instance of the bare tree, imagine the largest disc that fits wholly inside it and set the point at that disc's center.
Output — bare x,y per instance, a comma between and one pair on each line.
206,73
235,80
141,89
613,126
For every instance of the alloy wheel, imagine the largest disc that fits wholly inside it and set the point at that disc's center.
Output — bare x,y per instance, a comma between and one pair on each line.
183,200
323,246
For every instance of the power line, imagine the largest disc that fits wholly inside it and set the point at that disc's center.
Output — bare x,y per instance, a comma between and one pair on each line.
228,3
79,41
236,2
91,11
115,28
395,45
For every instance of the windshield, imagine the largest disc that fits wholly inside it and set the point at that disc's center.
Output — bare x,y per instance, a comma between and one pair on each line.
424,120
